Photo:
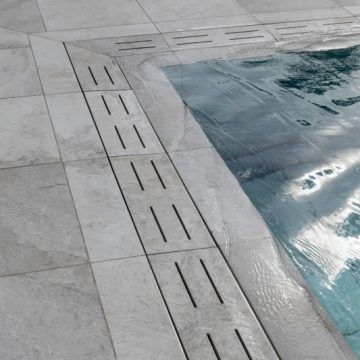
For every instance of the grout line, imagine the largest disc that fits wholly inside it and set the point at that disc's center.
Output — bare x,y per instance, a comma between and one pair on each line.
130,214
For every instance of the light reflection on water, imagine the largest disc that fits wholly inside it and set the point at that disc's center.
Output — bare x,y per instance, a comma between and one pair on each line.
288,127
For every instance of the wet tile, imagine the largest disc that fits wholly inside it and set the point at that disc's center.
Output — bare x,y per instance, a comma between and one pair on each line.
96,71
12,39
190,9
74,127
122,123
208,306
18,73
106,225
21,15
38,221
56,72
53,314
26,135
69,14
139,324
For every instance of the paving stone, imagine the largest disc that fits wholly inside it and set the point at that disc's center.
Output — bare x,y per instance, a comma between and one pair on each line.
163,212
105,221
39,229
56,73
26,135
21,15
53,314
122,123
74,128
140,326
12,39
96,71
18,73
209,309
69,14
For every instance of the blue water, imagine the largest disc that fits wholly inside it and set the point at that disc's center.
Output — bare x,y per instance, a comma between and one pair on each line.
288,127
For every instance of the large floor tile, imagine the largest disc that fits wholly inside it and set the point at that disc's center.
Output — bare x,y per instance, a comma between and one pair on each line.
70,14
139,324
21,15
53,315
18,73
105,221
26,135
74,127
39,228
189,9
12,39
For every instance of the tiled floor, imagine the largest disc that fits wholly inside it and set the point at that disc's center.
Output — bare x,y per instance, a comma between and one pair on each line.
123,234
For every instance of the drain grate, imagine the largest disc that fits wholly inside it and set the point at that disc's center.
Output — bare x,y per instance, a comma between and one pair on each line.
122,123
209,309
163,212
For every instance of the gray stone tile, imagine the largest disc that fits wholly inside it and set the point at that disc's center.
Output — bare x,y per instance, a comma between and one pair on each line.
96,71
161,102
26,135
190,9
39,228
205,299
139,324
165,217
69,14
53,314
56,72
74,128
18,73
100,32
355,10
21,15
123,126
205,23
105,221
12,39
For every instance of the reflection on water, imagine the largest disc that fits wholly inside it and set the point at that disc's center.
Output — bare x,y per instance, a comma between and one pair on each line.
288,127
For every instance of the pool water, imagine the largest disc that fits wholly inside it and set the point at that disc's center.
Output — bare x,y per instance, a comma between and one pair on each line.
288,127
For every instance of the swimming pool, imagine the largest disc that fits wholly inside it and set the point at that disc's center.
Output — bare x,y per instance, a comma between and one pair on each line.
288,127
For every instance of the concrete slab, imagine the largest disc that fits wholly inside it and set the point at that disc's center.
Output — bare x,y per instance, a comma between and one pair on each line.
12,39
38,222
26,135
74,128
18,73
123,126
139,323
53,314
105,221
69,14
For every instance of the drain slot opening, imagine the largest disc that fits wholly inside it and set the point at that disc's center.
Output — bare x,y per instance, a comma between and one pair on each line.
181,222
213,347
106,105
195,42
137,175
119,136
158,174
158,224
291,27
133,42
190,36
138,48
137,133
243,344
185,285
123,104
108,74
211,281
247,37
241,32
92,75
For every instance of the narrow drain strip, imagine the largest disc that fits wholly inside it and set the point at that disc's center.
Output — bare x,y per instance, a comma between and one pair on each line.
106,105
296,33
158,224
291,27
123,104
190,36
133,42
213,346
211,281
181,222
120,138
137,133
243,344
339,23
241,32
185,284
195,42
137,175
247,37
158,175
138,48
108,74
92,75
